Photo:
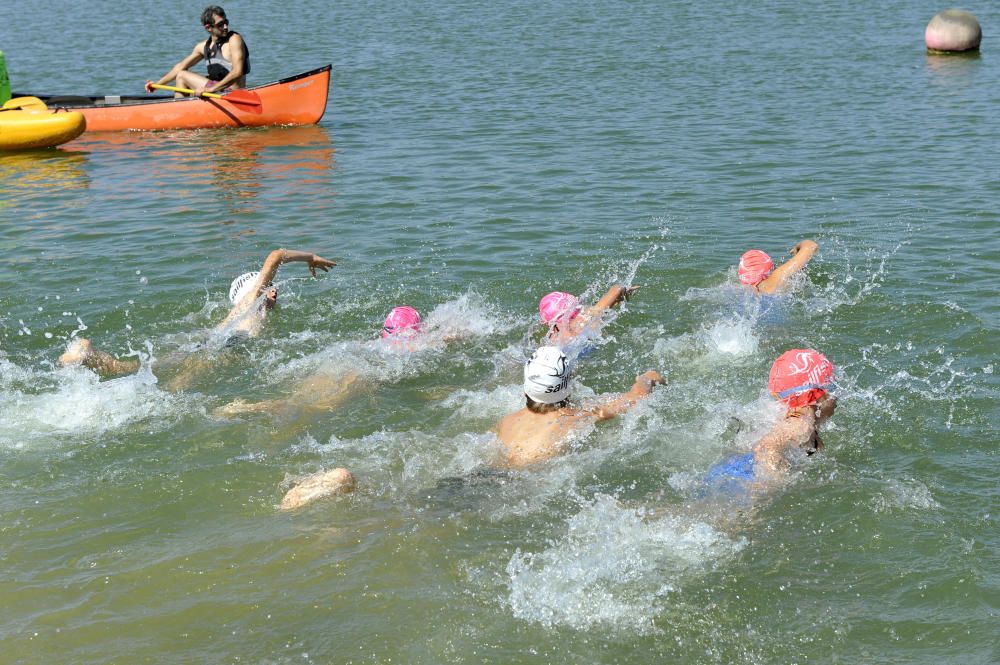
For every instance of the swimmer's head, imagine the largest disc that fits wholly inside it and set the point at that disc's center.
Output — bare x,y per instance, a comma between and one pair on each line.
547,376
401,320
270,297
242,285
800,377
558,307
754,268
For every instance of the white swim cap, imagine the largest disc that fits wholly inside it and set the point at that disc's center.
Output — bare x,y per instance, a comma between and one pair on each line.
546,376
241,285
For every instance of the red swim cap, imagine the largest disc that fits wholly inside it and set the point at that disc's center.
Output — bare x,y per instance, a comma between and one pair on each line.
755,266
800,377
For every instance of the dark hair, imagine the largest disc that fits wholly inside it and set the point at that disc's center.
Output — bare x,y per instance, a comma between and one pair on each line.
210,12
539,407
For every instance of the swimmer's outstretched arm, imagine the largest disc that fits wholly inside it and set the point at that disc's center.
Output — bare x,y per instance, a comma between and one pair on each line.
314,394
802,253
267,273
641,389
614,296
279,256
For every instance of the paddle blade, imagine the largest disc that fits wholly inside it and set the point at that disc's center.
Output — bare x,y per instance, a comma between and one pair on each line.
242,97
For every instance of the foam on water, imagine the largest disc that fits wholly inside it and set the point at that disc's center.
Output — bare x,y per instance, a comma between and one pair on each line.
466,317
400,461
12,375
614,567
80,405
717,342
904,494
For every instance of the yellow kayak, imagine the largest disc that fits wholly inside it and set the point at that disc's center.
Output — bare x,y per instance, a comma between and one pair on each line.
26,123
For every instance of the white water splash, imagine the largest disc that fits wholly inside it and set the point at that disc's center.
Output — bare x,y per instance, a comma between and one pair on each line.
614,567
80,406
905,494
716,342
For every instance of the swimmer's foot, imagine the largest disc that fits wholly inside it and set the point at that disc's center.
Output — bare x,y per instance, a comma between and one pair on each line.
82,352
77,353
326,483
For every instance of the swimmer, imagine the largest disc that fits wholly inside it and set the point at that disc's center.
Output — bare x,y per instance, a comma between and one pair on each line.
757,270
245,319
542,428
801,379
569,321
402,324
323,391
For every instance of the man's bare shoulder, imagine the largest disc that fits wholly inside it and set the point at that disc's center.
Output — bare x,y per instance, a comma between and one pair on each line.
526,416
533,437
794,428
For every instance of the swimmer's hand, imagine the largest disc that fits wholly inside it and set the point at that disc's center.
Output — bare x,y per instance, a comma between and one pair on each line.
321,263
651,378
149,86
630,291
644,382
801,245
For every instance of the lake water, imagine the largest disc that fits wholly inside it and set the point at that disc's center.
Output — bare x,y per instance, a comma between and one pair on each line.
473,157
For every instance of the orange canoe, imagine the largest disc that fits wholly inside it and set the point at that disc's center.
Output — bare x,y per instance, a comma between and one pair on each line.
297,100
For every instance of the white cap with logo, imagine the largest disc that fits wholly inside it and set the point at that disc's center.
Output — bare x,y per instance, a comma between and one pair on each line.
547,376
241,285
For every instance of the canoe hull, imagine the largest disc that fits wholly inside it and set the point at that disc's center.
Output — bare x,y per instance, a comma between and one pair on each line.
297,100
30,129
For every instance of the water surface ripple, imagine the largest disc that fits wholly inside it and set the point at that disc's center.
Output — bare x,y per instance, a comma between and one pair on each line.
474,157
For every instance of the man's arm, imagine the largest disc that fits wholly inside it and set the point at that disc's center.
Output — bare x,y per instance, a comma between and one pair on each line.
279,256
615,295
641,389
802,253
267,273
239,65
188,62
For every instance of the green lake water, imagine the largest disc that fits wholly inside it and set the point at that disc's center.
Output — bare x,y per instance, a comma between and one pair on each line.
474,157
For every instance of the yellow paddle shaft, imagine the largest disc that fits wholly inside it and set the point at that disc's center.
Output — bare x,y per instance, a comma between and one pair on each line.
187,90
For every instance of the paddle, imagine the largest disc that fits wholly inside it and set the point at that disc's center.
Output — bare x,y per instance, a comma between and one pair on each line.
235,96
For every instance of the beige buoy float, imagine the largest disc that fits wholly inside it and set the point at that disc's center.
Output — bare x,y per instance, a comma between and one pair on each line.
953,31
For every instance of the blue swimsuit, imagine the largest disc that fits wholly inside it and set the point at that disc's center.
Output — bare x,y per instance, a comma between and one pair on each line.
731,475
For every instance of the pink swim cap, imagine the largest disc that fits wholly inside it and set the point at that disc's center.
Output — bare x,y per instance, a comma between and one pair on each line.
400,319
755,266
800,377
558,306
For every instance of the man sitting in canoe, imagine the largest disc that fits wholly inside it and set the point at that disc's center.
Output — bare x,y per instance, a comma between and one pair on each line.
225,52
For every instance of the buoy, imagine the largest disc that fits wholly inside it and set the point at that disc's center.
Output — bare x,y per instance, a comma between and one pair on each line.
953,31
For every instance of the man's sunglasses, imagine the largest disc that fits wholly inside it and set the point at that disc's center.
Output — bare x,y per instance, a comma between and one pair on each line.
221,22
